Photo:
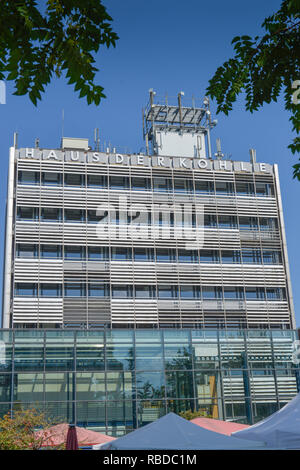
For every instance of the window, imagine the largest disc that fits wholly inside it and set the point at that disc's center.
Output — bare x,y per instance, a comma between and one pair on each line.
121,292
118,182
227,221
28,177
143,254
210,220
167,292
272,257
224,187
187,256
255,293
74,215
27,213
97,181
268,223
97,253
244,189
50,290
97,290
162,185
190,292
229,256
50,214
248,223
165,255
182,185
140,184
75,290
24,290
121,254
251,256
144,292
209,256
276,293
51,179
74,179
92,217
211,292
233,293
264,189
26,251
50,251
204,187
74,252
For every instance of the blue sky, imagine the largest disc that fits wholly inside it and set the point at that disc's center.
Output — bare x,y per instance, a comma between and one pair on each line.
167,45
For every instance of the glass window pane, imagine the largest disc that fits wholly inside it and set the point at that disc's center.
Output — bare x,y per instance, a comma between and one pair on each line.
150,385
26,251
23,289
118,182
50,251
120,385
231,256
50,214
50,290
97,181
143,254
58,386
90,386
121,254
209,256
73,179
27,213
97,253
187,256
149,357
74,215
164,254
162,184
179,384
74,252
140,184
51,179
97,290
28,387
75,290
28,177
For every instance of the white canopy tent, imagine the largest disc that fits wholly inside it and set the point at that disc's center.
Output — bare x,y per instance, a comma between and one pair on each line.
281,430
173,432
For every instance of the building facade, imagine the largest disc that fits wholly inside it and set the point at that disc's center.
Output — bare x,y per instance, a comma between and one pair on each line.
115,380
137,284
135,241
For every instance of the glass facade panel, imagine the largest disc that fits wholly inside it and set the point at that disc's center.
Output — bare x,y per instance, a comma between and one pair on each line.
122,379
90,386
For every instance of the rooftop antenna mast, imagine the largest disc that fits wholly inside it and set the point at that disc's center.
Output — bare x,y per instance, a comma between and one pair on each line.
208,119
97,139
219,153
62,123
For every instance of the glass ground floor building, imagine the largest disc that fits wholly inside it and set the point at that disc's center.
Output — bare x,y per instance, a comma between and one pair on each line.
115,380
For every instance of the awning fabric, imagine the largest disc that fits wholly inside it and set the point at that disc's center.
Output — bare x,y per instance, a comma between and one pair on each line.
217,425
173,432
57,435
281,430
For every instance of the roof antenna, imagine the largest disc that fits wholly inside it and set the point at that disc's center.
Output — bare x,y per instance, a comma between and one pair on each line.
62,123
96,139
219,153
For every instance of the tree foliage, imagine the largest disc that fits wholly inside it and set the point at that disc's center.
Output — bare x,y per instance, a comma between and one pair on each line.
17,432
263,68
35,45
189,414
